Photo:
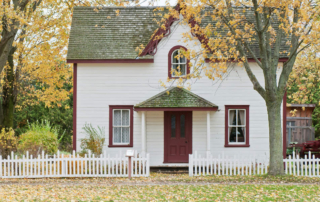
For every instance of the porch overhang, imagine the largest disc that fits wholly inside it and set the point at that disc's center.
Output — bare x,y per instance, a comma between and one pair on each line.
176,108
176,99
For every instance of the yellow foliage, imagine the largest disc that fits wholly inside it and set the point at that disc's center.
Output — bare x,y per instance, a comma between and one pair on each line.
8,142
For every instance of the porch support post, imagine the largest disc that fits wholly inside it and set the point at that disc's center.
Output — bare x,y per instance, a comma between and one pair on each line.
143,132
208,132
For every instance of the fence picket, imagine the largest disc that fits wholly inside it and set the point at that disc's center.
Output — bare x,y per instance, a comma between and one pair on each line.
72,165
241,165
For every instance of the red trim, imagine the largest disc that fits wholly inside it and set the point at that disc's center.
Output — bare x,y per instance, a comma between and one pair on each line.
151,48
111,108
169,61
284,125
166,121
176,109
74,137
110,61
201,37
249,60
227,107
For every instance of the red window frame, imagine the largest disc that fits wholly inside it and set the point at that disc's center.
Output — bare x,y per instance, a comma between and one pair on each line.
111,108
227,107
170,62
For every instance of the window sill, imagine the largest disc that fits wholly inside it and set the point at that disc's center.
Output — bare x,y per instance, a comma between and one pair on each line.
237,145
120,145
177,77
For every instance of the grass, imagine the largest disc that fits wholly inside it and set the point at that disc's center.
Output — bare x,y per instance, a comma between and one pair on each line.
166,187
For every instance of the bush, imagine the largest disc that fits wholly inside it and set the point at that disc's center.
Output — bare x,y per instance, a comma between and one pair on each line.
40,137
8,142
94,139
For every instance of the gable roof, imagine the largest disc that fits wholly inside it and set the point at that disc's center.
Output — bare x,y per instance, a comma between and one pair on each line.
176,98
94,36
106,36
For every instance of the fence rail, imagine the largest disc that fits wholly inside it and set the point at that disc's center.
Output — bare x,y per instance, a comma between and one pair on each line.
227,165
308,166
73,166
239,165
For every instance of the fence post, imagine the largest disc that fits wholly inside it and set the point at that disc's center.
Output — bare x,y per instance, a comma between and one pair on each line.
1,166
148,165
190,165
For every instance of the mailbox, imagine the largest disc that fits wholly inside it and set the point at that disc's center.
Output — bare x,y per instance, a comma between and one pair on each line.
130,153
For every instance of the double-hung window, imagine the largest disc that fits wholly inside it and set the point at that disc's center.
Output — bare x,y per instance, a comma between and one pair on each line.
178,63
237,126
121,125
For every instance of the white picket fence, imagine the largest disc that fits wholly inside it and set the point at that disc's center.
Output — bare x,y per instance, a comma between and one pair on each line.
308,166
73,166
227,165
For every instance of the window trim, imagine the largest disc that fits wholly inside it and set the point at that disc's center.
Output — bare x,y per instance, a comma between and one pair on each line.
124,107
170,62
227,108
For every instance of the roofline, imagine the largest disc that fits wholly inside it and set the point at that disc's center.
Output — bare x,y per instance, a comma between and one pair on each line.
285,59
104,7
301,105
175,108
110,60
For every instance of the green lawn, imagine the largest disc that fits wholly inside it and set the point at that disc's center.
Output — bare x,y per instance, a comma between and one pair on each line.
163,187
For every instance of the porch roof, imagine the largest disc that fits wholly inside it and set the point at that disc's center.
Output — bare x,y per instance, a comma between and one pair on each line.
176,99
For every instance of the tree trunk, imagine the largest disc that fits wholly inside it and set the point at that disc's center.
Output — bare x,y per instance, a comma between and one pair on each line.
275,138
8,96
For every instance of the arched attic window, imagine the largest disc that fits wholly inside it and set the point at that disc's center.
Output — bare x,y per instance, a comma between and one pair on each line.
177,63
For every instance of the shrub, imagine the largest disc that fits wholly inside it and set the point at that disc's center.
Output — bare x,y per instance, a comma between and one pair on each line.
94,139
39,137
8,142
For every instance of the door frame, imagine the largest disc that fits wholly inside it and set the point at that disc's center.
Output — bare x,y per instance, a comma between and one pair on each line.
166,117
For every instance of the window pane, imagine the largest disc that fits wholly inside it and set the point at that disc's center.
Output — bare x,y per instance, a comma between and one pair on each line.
125,135
117,135
182,59
117,117
174,69
241,134
173,126
232,117
174,56
232,134
182,126
125,117
183,70
241,117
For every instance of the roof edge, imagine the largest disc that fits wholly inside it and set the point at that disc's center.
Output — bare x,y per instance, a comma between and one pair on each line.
110,61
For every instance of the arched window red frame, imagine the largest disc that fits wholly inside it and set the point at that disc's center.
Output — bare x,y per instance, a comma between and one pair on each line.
170,61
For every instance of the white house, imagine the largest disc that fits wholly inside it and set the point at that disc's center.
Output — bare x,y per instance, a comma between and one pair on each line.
119,90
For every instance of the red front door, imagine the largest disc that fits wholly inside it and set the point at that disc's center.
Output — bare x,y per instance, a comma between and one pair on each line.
177,136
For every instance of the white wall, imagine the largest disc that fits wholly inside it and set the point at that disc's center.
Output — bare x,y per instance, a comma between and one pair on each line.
101,85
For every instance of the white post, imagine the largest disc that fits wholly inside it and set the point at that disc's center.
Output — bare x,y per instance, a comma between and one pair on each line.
190,165
208,132
143,132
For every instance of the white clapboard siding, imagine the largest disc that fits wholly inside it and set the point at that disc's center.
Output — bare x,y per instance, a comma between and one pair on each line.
227,165
60,165
307,166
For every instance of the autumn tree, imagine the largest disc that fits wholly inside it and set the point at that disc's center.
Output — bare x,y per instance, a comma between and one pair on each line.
304,83
34,57
279,28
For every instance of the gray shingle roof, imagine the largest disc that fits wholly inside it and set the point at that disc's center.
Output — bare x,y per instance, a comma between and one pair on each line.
94,36
250,17
177,97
